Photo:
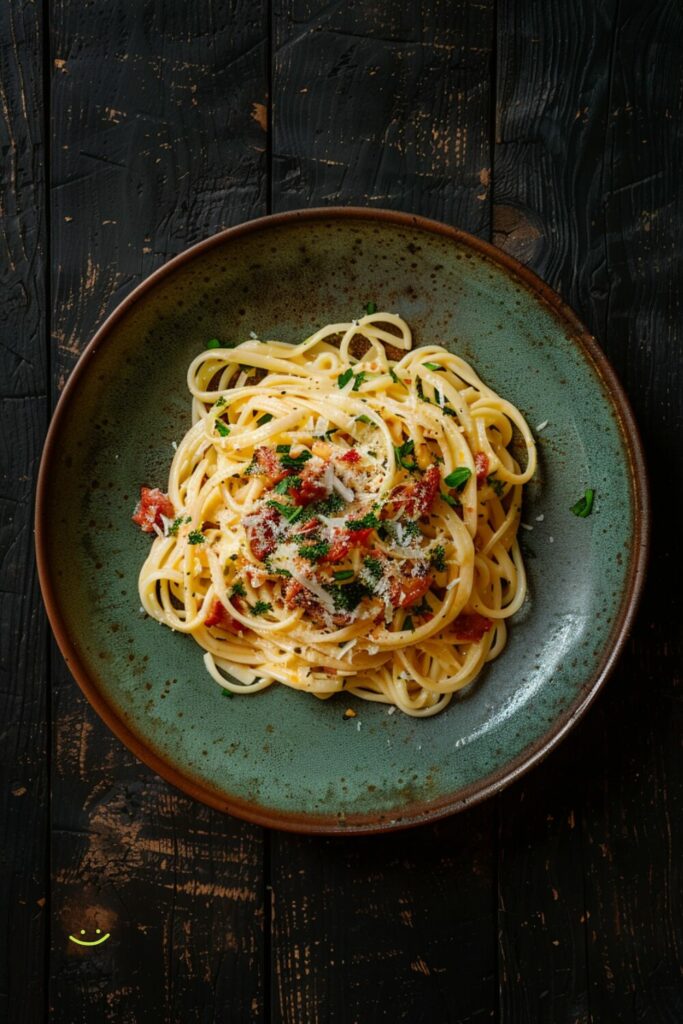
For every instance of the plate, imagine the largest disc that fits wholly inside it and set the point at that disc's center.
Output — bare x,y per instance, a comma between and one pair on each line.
282,758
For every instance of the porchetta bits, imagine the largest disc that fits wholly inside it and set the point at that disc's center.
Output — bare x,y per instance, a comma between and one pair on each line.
349,713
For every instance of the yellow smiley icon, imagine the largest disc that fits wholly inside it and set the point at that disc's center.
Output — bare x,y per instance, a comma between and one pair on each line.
94,942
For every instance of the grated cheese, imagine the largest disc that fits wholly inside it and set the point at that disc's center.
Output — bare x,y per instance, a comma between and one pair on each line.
542,426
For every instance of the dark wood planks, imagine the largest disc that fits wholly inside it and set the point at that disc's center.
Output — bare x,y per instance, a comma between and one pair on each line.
157,113
24,737
588,146
386,106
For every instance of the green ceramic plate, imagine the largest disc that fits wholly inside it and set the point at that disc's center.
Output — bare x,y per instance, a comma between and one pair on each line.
280,757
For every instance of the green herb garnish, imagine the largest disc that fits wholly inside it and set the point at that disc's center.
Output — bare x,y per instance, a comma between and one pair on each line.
374,567
584,506
290,512
407,448
238,589
221,428
213,343
295,462
343,574
344,378
286,483
369,520
196,537
360,377
314,552
437,556
408,623
348,597
497,485
420,393
180,521
458,478
283,449
274,571
434,366
370,308
262,420
450,500
261,607
327,506
364,419
219,403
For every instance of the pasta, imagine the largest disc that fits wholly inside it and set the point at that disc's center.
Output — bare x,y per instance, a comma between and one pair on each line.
342,516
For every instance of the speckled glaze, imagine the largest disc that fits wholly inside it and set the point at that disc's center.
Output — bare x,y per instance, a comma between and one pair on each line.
280,757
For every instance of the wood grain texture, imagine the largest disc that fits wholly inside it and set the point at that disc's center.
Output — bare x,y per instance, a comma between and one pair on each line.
383,105
588,144
387,106
157,144
24,736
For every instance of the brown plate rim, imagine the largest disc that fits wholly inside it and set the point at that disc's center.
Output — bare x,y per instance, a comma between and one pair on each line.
418,812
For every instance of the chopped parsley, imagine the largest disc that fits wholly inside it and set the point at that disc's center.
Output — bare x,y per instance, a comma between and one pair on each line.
291,512
408,623
370,308
219,403
314,552
395,378
274,570
434,366
180,521
364,419
284,485
369,520
283,449
261,607
437,556
407,448
584,506
448,411
262,420
374,567
347,598
420,392
344,378
221,428
497,485
238,589
327,506
343,574
360,377
294,462
213,343
196,537
423,608
458,478
450,500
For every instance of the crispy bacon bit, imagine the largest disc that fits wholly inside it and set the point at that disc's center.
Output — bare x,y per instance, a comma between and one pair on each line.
219,616
267,464
261,532
413,500
310,527
152,506
343,541
297,596
294,588
405,592
351,456
310,488
481,466
470,627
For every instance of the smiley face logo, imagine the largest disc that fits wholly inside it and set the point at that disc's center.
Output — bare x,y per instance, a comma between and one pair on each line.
93,942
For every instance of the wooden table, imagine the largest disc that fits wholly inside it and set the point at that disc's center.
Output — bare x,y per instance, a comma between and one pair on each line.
132,129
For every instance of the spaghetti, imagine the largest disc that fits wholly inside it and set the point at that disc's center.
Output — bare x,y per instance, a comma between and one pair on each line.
341,516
